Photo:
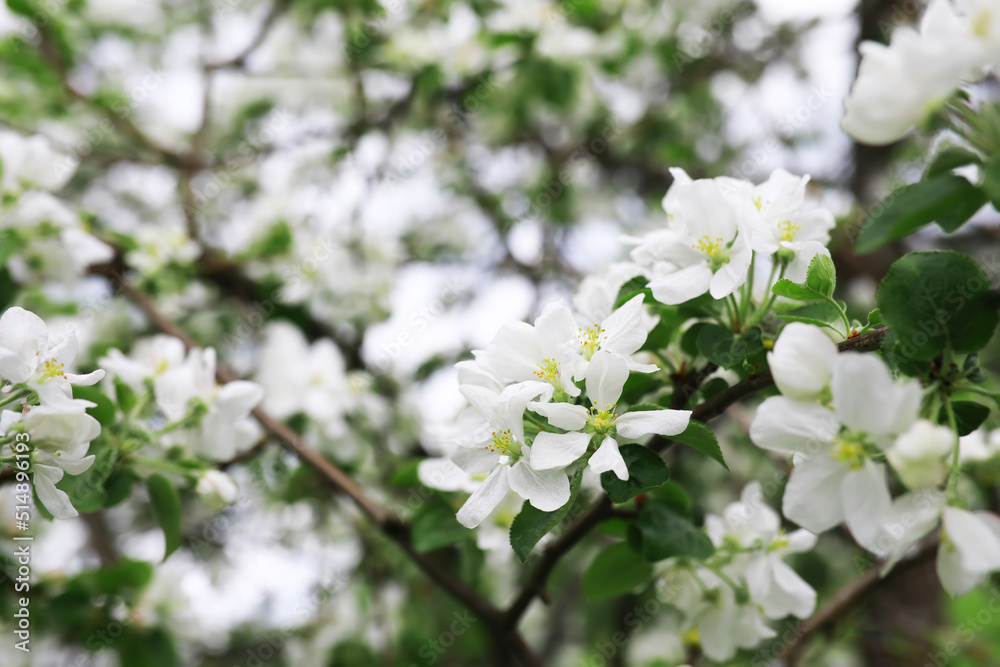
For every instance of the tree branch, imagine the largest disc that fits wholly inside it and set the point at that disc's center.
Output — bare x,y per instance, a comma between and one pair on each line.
847,599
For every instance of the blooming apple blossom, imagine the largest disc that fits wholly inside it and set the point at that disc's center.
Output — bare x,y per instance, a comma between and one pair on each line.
504,454
605,380
704,248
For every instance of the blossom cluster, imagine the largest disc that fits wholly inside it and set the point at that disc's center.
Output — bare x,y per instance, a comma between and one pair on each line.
846,423
728,598
532,371
37,400
899,84
715,225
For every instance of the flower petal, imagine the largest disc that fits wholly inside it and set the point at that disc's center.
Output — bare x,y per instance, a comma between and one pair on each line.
644,422
557,450
812,497
547,490
787,426
484,499
562,415
606,377
607,457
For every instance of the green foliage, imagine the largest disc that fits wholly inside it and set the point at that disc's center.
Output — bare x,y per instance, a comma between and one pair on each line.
937,299
700,437
646,472
104,411
166,505
434,526
727,349
948,199
969,415
532,524
87,490
614,571
661,532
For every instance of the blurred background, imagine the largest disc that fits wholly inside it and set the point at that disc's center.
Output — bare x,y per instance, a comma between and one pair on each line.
400,179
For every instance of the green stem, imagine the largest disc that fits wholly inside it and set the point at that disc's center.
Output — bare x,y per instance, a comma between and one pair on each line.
955,465
166,466
763,309
14,396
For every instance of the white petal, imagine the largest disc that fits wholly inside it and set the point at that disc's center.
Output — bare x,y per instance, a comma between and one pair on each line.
547,490
237,399
644,422
557,450
682,285
867,399
865,495
445,475
802,361
787,426
55,500
623,328
607,457
606,377
562,415
484,499
812,497
733,273
976,538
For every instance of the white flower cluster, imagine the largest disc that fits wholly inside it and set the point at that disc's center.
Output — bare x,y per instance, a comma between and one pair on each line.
899,84
843,418
208,420
39,409
728,598
716,224
538,368
51,241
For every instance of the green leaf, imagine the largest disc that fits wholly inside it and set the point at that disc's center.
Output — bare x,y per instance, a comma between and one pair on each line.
435,526
646,471
945,196
118,486
700,437
665,533
820,313
821,276
674,496
531,523
149,647
633,286
794,291
969,415
948,158
936,298
875,318
104,411
166,505
126,395
728,350
615,571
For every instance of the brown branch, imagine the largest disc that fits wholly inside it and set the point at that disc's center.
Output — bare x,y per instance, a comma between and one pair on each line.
847,599
602,509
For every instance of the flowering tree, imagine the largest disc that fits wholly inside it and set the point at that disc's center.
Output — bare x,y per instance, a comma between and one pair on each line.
269,395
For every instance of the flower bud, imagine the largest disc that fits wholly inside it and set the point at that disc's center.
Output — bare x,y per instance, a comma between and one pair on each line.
216,489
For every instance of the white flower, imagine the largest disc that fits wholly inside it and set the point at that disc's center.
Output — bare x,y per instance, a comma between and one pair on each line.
772,212
835,478
969,551
160,245
802,362
27,355
728,624
55,245
303,378
148,358
216,489
978,446
899,84
703,249
60,436
605,379
755,527
31,162
504,454
224,429
595,297
918,455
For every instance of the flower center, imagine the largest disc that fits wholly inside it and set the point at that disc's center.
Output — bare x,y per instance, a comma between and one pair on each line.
758,203
548,370
715,250
981,24
590,340
603,421
788,230
851,449
502,443
51,369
